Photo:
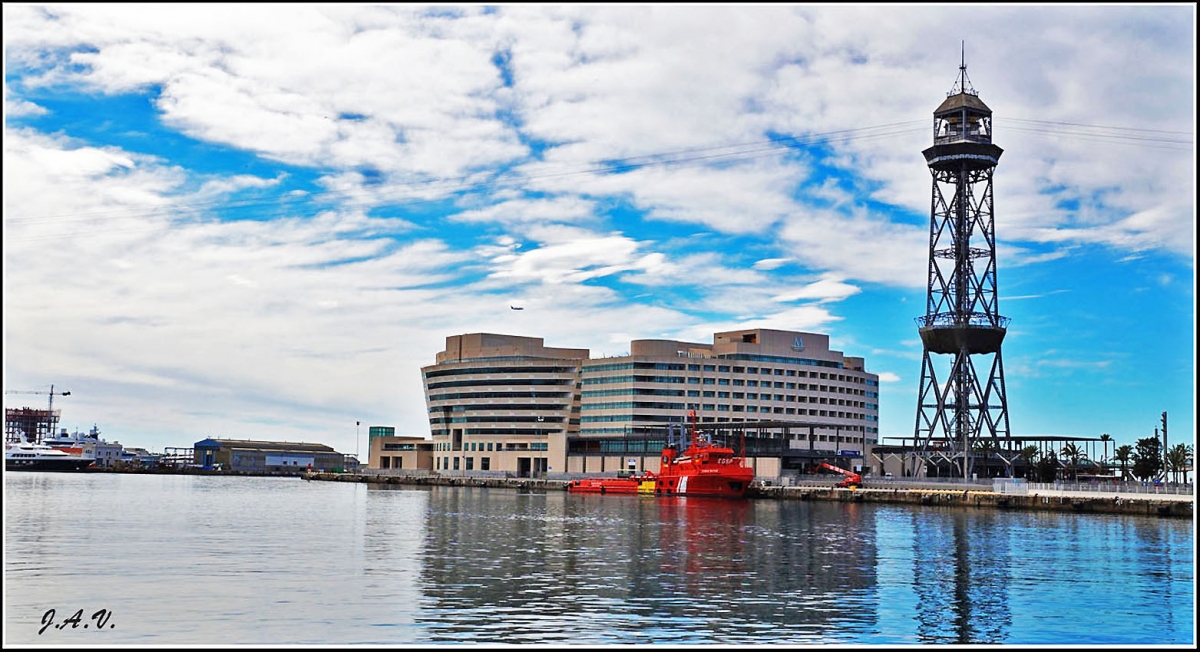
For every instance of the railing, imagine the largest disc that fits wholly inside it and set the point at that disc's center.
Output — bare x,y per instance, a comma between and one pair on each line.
1112,487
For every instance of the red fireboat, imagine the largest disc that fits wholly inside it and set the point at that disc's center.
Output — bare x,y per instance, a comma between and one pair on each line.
702,469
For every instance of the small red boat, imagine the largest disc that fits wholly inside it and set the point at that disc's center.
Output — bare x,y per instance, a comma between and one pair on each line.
702,469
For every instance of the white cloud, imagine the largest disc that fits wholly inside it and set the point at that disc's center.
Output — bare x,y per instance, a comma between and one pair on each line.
400,107
829,288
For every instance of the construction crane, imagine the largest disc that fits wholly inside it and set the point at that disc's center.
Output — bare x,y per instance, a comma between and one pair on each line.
52,393
852,479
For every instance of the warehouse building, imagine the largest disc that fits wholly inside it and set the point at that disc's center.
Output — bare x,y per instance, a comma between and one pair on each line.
269,456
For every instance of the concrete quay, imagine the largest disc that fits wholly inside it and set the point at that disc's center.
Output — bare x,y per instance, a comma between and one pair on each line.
1170,505
974,496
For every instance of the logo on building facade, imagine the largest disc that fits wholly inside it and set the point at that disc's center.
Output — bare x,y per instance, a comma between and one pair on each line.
797,343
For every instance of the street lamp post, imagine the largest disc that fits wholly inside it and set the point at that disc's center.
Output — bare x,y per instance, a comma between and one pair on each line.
356,460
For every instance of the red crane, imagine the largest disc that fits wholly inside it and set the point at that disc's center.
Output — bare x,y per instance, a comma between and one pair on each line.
852,479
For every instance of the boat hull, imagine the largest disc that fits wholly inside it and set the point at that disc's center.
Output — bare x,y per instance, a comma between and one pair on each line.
725,485
728,485
48,465
612,486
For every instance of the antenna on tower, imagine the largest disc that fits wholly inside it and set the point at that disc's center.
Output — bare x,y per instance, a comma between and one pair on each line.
962,84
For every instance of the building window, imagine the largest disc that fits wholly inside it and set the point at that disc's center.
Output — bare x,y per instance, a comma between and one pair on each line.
470,463
456,463
485,463
709,367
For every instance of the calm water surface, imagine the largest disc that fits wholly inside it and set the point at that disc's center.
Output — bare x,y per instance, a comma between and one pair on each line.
210,560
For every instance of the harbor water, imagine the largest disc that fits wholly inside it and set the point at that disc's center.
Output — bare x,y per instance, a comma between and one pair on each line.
209,560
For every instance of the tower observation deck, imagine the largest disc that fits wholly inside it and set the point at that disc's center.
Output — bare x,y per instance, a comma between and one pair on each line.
960,410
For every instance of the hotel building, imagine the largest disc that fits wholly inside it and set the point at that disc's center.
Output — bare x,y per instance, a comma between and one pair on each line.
510,404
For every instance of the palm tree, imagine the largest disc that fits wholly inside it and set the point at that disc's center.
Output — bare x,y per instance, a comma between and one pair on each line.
1030,455
1072,453
1179,458
1124,455
1105,438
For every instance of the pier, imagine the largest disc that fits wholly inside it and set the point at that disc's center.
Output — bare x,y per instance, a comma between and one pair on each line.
979,496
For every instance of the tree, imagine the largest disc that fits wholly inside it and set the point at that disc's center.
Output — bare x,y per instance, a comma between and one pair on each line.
1147,460
1072,454
1030,456
1124,455
1105,438
1179,458
1047,467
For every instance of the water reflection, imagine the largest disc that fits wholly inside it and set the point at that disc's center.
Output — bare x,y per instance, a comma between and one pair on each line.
509,567
960,574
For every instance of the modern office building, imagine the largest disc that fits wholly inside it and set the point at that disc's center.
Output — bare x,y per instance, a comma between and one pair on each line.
501,403
508,403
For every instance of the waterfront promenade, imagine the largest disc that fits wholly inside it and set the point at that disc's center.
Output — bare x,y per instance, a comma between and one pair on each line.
1175,501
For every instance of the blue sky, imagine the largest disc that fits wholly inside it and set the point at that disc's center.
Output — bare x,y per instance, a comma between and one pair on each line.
261,221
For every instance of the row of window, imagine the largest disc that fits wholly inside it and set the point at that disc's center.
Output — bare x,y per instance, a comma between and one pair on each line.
530,394
478,446
722,407
494,370
716,368
696,380
503,382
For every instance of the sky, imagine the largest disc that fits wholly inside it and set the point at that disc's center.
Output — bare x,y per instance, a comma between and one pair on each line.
261,221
